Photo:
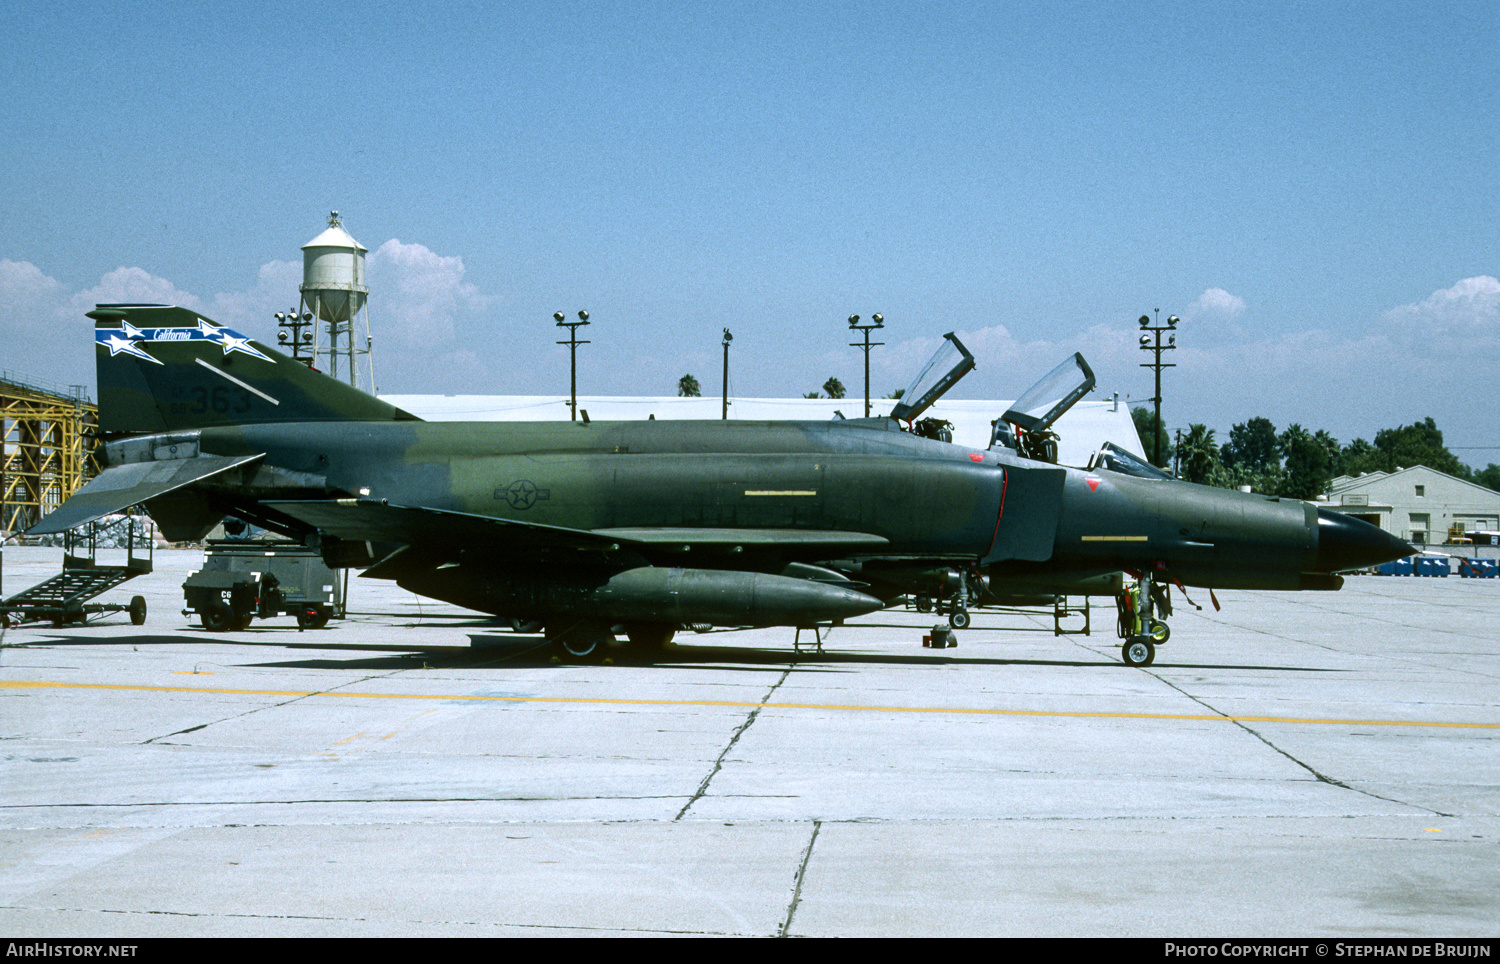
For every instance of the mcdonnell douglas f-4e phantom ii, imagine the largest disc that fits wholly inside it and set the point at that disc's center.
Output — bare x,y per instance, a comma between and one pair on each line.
594,528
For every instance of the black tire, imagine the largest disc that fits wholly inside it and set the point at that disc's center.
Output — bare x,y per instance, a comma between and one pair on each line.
959,619
1160,632
242,622
650,636
311,618
1138,651
924,604
216,616
137,610
527,626
581,643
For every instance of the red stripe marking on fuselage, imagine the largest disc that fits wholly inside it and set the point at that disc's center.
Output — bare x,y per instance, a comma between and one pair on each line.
1004,481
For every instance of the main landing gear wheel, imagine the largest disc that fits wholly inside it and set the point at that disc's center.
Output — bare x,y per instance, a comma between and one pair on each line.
1138,651
959,619
650,636
582,643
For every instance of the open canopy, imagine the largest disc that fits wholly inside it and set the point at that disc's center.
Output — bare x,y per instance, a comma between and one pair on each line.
1047,400
947,365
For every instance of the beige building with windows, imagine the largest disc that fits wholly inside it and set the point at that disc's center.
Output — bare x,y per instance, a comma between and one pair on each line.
1418,504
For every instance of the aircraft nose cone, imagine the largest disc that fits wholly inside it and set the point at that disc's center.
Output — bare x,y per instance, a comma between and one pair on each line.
1346,543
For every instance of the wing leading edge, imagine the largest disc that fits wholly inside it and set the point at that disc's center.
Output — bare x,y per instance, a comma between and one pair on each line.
425,528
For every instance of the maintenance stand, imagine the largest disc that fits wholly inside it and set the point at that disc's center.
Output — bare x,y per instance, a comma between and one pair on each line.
63,599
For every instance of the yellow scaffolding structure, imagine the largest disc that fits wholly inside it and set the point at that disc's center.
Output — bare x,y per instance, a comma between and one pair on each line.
46,450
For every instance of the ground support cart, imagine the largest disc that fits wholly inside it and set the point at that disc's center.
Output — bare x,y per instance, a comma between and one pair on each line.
244,580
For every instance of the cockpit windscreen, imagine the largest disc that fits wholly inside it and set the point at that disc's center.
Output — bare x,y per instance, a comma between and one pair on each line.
1110,456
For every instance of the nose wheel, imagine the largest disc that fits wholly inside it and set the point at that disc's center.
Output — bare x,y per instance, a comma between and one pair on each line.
1138,651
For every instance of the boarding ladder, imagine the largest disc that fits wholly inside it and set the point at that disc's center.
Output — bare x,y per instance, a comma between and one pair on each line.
64,598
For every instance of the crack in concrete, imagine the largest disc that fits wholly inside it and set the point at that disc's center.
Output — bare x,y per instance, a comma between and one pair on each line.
1320,777
801,875
739,731
345,800
343,919
273,706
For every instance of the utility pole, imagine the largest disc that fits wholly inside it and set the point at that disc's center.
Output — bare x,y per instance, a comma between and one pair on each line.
727,339
876,321
1156,348
572,343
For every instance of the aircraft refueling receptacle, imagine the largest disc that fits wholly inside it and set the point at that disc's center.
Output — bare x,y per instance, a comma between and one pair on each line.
591,527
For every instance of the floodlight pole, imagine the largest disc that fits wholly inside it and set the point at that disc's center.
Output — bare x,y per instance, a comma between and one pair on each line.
727,339
1154,345
876,321
289,319
572,343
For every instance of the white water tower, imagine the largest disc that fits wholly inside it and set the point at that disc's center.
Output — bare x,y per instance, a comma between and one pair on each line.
333,290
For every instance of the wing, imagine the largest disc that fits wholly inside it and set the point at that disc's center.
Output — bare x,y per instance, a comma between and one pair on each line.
122,486
445,532
371,520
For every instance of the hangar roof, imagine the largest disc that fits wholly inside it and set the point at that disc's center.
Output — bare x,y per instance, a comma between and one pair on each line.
1085,427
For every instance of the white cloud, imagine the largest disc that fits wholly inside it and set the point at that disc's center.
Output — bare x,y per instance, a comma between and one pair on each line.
1214,317
421,295
29,301
1215,303
37,343
252,311
132,286
1007,366
1456,321
23,276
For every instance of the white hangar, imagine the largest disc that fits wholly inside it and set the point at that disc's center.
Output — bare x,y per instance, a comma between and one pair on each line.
1418,504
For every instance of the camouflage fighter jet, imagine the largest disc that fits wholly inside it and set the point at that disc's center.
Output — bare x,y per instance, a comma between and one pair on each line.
590,529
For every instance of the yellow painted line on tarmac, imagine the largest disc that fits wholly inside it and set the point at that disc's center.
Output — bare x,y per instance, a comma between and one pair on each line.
595,701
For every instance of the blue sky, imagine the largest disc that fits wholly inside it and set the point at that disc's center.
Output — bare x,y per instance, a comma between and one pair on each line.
1311,186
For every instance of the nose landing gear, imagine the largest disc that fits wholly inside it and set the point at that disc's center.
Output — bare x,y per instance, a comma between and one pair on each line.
1139,626
955,603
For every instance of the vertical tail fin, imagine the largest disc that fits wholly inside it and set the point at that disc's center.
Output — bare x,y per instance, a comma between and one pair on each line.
163,368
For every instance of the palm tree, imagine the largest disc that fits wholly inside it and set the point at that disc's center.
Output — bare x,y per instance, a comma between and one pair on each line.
1198,453
833,388
687,387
